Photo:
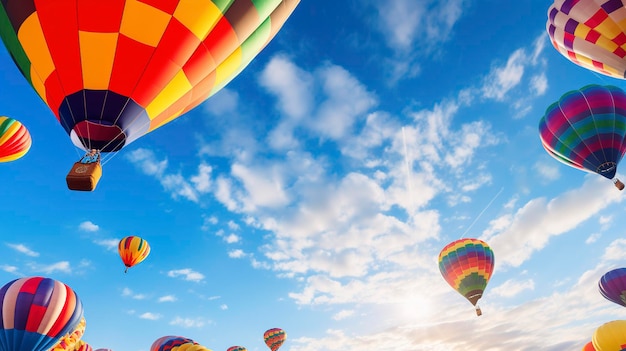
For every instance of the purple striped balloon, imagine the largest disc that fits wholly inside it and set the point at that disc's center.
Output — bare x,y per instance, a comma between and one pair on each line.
612,286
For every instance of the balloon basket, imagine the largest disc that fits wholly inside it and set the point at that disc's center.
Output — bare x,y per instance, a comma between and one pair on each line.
84,176
618,184
478,311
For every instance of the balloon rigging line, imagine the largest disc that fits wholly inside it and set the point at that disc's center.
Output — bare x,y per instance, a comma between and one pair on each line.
481,212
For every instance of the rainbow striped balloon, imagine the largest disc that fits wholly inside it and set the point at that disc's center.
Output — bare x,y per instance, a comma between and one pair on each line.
467,265
237,348
590,34
15,140
36,313
586,129
274,338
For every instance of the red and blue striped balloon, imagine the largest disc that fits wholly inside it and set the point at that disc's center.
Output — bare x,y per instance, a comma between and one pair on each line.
612,286
36,313
586,129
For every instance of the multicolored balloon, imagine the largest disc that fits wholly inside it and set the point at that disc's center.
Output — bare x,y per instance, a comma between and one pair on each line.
589,347
82,346
113,71
274,338
612,286
586,129
467,265
176,343
15,140
103,350
590,34
237,348
68,342
36,313
133,250
610,336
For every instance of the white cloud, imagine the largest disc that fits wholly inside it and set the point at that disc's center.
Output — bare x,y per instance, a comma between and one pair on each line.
23,249
186,274
539,219
109,244
512,287
88,226
236,253
8,268
539,84
189,322
502,79
167,298
548,170
151,316
232,238
62,266
223,307
129,293
616,251
343,314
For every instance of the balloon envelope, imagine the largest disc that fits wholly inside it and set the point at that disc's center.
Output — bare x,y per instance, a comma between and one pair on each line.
589,347
612,286
467,266
69,342
36,313
610,336
274,338
590,34
237,348
15,140
112,71
586,129
133,250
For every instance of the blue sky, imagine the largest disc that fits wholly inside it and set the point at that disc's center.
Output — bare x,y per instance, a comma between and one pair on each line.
316,190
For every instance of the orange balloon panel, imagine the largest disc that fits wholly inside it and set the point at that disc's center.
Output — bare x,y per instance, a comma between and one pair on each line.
112,71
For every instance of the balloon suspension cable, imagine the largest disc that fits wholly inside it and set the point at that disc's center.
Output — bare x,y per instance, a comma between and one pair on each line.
478,311
481,213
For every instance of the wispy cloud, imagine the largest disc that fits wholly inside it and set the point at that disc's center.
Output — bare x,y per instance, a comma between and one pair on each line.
186,274
129,293
109,244
167,298
23,249
88,226
512,287
62,266
151,316
197,322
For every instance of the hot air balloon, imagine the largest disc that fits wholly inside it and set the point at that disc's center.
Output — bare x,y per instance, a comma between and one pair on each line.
15,139
69,342
133,250
113,71
36,313
612,286
586,129
82,346
590,34
467,265
589,347
274,338
610,336
103,350
176,343
237,348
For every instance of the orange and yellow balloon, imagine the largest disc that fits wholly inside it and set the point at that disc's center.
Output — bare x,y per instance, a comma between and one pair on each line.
589,347
15,140
467,266
610,336
133,250
112,71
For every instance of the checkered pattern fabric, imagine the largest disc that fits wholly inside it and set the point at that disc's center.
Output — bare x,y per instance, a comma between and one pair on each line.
590,34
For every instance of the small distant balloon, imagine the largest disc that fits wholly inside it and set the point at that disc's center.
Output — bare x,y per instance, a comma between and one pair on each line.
467,266
69,342
15,140
237,348
610,336
83,346
274,338
612,286
133,250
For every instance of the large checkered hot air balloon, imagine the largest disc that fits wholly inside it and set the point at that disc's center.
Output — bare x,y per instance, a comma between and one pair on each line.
586,129
590,33
36,313
467,266
112,71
